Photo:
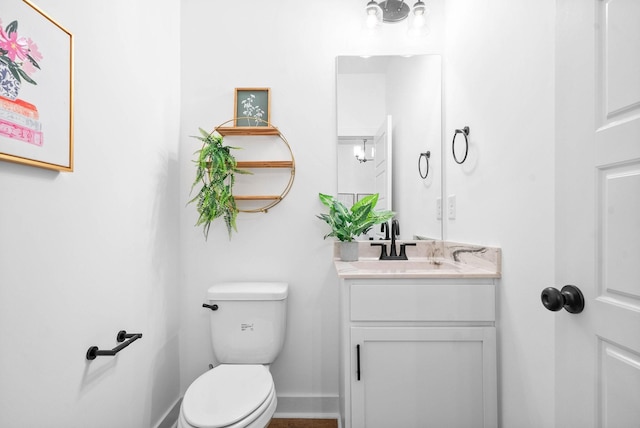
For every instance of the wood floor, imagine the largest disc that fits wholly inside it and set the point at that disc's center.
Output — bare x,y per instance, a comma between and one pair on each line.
303,423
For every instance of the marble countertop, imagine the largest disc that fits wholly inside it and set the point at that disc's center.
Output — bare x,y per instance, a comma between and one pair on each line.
428,259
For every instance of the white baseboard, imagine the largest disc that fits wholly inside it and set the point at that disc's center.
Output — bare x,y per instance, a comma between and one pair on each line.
170,419
308,407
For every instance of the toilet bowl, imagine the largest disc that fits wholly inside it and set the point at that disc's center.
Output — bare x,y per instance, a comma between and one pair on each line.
229,396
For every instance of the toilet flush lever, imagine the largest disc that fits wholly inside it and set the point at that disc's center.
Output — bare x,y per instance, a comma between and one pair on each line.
212,307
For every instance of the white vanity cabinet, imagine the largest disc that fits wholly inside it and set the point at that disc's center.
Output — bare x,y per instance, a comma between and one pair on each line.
418,352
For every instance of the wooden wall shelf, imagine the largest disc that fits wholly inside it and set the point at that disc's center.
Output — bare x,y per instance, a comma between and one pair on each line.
247,130
268,130
265,164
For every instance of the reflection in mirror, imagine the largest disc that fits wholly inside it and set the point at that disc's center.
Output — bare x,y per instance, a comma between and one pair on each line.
388,113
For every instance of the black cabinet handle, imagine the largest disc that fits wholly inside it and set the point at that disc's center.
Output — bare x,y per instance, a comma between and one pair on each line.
569,298
357,362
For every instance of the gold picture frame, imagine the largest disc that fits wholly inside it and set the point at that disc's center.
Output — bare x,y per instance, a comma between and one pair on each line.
252,107
36,88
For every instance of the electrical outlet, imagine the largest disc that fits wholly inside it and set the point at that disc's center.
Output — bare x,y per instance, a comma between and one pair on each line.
451,207
439,209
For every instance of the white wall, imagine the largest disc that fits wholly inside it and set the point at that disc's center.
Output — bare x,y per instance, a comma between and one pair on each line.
499,73
289,46
86,254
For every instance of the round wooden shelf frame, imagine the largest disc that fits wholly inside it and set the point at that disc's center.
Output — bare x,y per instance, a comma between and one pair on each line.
269,129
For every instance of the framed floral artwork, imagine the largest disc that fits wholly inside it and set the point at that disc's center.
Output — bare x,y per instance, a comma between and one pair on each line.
252,107
36,88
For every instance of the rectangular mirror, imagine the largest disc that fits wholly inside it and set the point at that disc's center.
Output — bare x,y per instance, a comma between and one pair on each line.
389,119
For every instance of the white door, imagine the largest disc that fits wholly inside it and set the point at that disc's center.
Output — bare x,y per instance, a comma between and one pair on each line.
384,165
598,212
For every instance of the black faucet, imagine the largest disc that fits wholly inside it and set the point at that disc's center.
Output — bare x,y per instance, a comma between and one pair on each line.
395,231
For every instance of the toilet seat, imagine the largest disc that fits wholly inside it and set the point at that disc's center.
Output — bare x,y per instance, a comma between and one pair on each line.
258,419
229,396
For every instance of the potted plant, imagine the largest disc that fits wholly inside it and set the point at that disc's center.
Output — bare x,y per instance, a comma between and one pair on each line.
347,224
215,169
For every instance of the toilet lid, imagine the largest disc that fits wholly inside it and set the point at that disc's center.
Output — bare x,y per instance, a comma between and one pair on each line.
226,394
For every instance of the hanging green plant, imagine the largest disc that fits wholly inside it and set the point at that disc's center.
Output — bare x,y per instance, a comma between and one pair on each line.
215,169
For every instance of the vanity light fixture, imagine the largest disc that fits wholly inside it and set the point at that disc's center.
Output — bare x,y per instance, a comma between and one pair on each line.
374,14
361,152
393,11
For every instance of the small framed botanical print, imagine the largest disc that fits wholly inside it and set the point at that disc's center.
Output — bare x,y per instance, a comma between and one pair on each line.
252,107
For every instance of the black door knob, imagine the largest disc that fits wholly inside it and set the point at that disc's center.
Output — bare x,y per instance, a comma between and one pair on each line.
570,298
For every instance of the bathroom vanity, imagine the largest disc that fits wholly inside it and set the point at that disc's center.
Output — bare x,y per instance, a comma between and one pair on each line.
418,338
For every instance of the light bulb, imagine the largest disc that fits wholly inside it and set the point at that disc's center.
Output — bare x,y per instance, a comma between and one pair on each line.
419,21
374,14
418,25
357,151
419,8
372,21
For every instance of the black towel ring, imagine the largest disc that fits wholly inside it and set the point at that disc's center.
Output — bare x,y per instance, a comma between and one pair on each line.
426,156
464,131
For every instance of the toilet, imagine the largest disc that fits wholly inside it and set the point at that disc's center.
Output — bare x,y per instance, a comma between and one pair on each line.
247,321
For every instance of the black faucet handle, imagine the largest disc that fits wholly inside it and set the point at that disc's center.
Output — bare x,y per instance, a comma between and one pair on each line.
384,227
403,249
383,251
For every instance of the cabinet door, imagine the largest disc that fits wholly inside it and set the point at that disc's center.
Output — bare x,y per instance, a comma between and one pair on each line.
423,377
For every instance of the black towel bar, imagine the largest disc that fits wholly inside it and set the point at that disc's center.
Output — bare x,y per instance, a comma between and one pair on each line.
94,352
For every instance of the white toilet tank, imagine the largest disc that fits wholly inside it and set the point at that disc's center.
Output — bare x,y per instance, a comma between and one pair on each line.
248,326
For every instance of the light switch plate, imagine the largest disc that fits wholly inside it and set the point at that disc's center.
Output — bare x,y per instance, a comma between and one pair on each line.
451,207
